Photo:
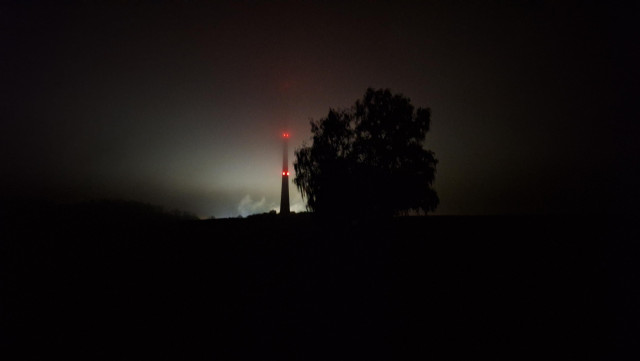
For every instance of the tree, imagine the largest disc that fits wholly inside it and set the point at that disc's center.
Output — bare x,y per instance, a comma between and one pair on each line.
369,160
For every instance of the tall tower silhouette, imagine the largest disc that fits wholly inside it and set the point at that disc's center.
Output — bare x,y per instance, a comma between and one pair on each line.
284,196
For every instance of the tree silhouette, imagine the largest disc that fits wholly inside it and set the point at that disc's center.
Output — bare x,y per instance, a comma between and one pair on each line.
369,160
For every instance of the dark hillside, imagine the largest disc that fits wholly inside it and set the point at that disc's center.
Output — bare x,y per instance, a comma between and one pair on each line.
267,288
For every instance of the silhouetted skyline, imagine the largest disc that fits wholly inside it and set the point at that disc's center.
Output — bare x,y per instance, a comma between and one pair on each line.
182,104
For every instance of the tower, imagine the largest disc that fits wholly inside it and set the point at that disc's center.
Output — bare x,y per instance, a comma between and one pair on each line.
284,196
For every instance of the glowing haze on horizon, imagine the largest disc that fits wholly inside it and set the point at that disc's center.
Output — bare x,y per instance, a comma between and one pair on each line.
183,104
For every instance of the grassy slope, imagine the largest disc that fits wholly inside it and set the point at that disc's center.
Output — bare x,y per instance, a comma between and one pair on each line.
448,287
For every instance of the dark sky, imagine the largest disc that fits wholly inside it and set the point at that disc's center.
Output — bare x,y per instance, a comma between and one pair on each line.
182,103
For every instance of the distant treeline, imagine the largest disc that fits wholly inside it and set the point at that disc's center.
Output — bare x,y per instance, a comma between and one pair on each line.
273,214
115,210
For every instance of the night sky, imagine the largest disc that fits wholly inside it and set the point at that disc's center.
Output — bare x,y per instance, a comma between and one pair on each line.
182,104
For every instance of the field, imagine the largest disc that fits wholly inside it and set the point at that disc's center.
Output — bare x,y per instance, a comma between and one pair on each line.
304,288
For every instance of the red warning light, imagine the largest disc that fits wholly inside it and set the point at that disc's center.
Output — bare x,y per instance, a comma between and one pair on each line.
285,135
287,173
284,173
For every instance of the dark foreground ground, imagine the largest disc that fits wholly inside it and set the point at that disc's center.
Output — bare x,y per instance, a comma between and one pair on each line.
301,288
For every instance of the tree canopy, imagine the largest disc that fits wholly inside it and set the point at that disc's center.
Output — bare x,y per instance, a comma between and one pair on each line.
369,159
